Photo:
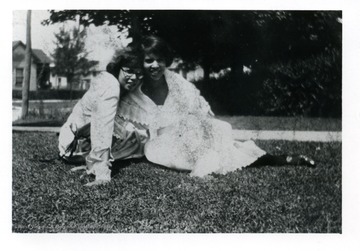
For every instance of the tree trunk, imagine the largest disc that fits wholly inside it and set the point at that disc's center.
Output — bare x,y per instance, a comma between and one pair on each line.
206,67
135,32
26,84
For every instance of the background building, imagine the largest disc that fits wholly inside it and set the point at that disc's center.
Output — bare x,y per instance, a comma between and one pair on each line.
40,68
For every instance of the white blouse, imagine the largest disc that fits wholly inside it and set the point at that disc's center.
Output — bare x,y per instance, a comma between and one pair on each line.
183,99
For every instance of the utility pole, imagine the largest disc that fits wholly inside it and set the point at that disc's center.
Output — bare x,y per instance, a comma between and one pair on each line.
27,73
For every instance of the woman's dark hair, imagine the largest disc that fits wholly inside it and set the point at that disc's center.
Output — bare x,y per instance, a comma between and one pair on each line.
155,45
132,56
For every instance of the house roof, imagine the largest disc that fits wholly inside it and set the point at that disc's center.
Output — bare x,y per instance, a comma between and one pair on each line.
16,43
41,56
38,54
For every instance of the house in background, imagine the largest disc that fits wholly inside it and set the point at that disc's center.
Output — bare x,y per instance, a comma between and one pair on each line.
59,82
87,79
190,72
41,76
40,68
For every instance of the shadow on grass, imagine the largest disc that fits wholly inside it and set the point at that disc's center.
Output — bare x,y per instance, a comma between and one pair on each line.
117,165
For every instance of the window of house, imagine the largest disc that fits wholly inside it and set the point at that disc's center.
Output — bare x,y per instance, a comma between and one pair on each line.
85,84
19,76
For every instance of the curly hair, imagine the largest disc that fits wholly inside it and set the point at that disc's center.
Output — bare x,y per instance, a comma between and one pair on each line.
152,44
132,56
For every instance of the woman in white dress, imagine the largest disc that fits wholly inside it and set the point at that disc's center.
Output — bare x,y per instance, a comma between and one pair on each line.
178,128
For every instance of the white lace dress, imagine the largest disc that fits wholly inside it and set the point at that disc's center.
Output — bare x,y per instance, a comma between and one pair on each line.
181,134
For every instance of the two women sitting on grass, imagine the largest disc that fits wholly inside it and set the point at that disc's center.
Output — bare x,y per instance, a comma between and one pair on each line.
162,116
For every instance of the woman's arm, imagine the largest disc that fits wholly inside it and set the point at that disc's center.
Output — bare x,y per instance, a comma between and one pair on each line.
107,93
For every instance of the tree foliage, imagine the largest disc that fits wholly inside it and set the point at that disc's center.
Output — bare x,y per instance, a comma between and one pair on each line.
70,55
261,40
223,38
300,66
214,39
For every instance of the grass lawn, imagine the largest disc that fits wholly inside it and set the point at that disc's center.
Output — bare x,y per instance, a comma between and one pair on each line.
143,197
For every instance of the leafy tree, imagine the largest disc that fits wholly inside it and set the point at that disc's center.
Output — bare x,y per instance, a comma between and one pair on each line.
70,55
219,39
268,41
214,39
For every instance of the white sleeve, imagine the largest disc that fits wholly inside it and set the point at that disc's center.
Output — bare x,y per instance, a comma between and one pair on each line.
107,94
76,120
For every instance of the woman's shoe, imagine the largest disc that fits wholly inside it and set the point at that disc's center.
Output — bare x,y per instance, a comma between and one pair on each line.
74,160
301,160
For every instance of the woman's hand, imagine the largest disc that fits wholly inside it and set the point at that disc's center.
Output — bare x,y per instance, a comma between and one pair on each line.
78,168
96,183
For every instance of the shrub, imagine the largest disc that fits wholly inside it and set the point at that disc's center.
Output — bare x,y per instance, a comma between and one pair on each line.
310,87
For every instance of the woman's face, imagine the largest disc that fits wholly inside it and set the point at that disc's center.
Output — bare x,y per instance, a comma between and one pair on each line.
130,78
154,66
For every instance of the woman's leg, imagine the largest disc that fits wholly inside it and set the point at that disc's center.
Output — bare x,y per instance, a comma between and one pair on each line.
282,160
80,146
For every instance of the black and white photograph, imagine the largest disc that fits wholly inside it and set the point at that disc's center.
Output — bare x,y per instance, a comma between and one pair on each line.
180,121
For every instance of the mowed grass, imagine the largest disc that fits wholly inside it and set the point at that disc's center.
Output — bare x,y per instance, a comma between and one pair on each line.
143,197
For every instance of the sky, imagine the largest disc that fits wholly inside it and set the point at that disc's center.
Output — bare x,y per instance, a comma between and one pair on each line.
42,37
100,42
